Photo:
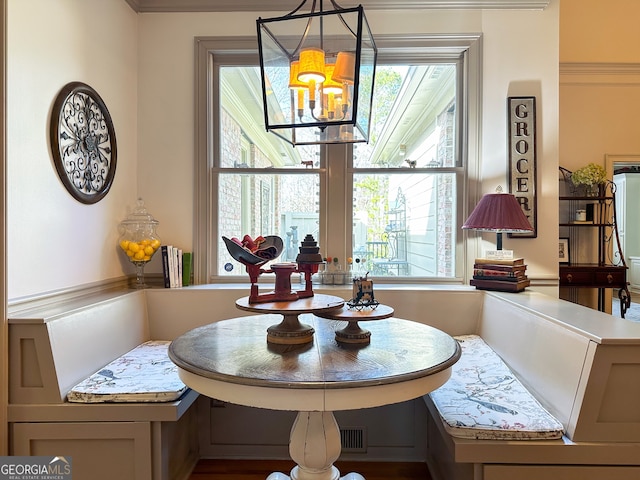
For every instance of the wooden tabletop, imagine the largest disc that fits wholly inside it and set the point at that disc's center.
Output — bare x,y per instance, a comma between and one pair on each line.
231,360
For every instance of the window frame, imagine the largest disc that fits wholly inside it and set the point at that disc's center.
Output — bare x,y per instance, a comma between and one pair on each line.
398,49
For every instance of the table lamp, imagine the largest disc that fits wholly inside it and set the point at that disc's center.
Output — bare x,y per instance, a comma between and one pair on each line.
498,212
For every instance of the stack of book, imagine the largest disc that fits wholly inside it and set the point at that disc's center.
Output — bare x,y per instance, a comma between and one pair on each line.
177,267
501,275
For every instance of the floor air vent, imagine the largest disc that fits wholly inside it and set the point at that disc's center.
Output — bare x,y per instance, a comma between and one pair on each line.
353,439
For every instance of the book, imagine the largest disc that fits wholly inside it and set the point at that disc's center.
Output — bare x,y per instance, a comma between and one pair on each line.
187,268
500,285
501,279
596,212
178,272
498,274
500,268
513,262
172,265
489,272
591,211
164,251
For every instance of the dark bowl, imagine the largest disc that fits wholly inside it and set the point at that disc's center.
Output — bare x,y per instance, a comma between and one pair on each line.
270,249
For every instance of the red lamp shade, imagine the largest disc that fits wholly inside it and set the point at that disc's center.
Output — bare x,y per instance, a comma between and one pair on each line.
498,212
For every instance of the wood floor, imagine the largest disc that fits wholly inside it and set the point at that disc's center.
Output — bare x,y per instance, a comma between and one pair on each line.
259,469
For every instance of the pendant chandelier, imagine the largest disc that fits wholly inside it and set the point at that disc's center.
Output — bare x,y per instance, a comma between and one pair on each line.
317,72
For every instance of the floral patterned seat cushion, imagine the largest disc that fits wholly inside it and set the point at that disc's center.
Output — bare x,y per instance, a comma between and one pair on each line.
145,374
484,400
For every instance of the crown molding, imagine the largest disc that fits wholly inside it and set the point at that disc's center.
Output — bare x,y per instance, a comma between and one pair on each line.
593,73
149,6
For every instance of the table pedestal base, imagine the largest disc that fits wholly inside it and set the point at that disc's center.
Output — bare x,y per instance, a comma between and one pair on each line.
314,445
290,332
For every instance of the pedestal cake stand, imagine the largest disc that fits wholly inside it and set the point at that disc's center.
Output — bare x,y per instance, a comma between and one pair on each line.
290,331
353,333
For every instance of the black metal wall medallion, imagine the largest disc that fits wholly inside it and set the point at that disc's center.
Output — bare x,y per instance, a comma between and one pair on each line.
83,142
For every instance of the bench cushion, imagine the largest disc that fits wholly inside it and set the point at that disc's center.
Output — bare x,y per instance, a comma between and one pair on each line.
145,374
484,400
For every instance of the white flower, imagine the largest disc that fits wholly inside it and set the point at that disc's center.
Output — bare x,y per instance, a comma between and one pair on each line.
592,174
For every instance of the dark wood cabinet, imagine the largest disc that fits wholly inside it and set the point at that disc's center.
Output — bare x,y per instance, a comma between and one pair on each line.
592,236
588,275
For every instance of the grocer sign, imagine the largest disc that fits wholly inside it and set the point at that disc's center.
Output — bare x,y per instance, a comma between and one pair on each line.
522,158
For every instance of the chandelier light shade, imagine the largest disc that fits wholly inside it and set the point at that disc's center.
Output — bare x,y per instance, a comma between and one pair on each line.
311,67
498,212
330,84
318,70
345,68
294,82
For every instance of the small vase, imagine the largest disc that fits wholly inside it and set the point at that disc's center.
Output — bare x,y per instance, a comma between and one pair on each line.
584,190
596,190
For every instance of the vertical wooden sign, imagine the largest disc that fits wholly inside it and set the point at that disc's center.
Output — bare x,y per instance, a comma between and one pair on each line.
522,158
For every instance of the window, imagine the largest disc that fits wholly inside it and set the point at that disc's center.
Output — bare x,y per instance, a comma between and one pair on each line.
393,205
404,180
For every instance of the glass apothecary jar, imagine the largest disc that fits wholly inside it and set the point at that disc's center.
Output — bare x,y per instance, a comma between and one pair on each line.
139,239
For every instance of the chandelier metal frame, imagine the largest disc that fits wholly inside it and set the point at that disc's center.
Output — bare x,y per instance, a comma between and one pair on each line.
317,85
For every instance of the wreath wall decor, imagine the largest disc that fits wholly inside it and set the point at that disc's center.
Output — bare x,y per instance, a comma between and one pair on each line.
83,142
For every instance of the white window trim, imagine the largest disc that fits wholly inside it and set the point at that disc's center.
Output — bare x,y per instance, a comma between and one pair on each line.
401,49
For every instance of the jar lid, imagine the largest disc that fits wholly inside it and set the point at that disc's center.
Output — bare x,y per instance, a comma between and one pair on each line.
139,215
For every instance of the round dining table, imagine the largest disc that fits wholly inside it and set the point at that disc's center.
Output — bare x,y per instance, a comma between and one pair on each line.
231,360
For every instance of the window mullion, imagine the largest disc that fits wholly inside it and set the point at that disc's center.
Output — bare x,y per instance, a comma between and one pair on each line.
338,210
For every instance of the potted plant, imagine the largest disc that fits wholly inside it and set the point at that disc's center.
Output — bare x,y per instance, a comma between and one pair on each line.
591,177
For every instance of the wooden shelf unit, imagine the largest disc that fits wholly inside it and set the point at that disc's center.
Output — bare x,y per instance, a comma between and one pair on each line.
593,260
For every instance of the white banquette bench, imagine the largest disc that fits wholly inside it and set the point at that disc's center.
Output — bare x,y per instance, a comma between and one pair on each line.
581,365
140,437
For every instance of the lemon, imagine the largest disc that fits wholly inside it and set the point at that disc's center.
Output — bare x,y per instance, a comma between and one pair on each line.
124,244
134,247
155,243
148,250
139,255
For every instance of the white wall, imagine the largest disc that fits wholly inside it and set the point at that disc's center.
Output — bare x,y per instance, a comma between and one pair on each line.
599,102
54,241
143,67
599,81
